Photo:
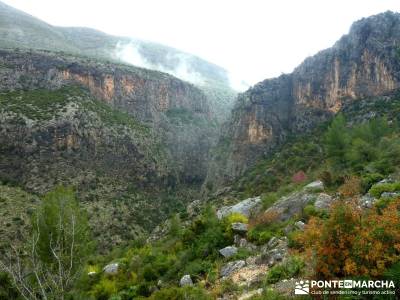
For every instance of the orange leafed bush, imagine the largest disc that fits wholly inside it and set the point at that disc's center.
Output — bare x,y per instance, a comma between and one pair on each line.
351,187
264,218
352,243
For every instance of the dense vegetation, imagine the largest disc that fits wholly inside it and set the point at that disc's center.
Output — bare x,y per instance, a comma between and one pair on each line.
345,242
44,105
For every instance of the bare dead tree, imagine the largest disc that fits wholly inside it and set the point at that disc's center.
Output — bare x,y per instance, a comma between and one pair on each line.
36,279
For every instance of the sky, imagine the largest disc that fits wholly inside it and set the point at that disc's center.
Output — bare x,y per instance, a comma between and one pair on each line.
252,39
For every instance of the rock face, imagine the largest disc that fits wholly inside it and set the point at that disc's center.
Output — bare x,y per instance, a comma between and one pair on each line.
367,201
315,186
275,251
111,269
186,280
361,64
291,205
228,251
177,111
245,207
114,132
231,267
239,227
323,201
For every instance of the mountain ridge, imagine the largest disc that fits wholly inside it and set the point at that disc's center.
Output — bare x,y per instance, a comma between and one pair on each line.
362,63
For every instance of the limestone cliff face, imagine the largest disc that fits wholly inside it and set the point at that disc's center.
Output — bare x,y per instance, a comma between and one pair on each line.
363,63
148,96
142,93
124,137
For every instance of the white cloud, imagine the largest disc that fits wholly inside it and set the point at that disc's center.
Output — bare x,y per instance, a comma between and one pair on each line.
129,52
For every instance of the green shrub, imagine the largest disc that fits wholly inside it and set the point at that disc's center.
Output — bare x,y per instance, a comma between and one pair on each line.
7,289
233,218
259,237
269,199
311,211
367,180
288,269
104,289
377,189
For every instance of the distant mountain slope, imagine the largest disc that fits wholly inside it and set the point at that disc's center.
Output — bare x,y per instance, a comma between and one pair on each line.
18,29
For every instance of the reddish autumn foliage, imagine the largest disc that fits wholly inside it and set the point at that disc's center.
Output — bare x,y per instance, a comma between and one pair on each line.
299,177
352,242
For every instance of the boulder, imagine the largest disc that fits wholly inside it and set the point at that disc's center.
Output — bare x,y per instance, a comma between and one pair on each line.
385,180
246,207
243,243
300,225
254,260
231,267
249,275
186,280
323,201
228,251
288,206
194,208
315,186
239,227
387,195
272,242
274,252
367,201
111,269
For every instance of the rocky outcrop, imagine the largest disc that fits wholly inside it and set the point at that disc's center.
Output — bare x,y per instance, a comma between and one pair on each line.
228,251
186,280
290,205
111,269
176,111
246,207
231,267
122,136
363,63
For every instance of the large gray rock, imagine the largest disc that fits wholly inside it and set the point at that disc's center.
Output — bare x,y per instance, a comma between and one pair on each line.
275,251
315,186
239,227
231,267
228,251
291,205
194,208
387,195
324,201
300,225
367,201
246,207
186,280
111,269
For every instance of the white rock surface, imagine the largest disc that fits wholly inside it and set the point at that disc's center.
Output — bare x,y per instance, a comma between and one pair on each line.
246,207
